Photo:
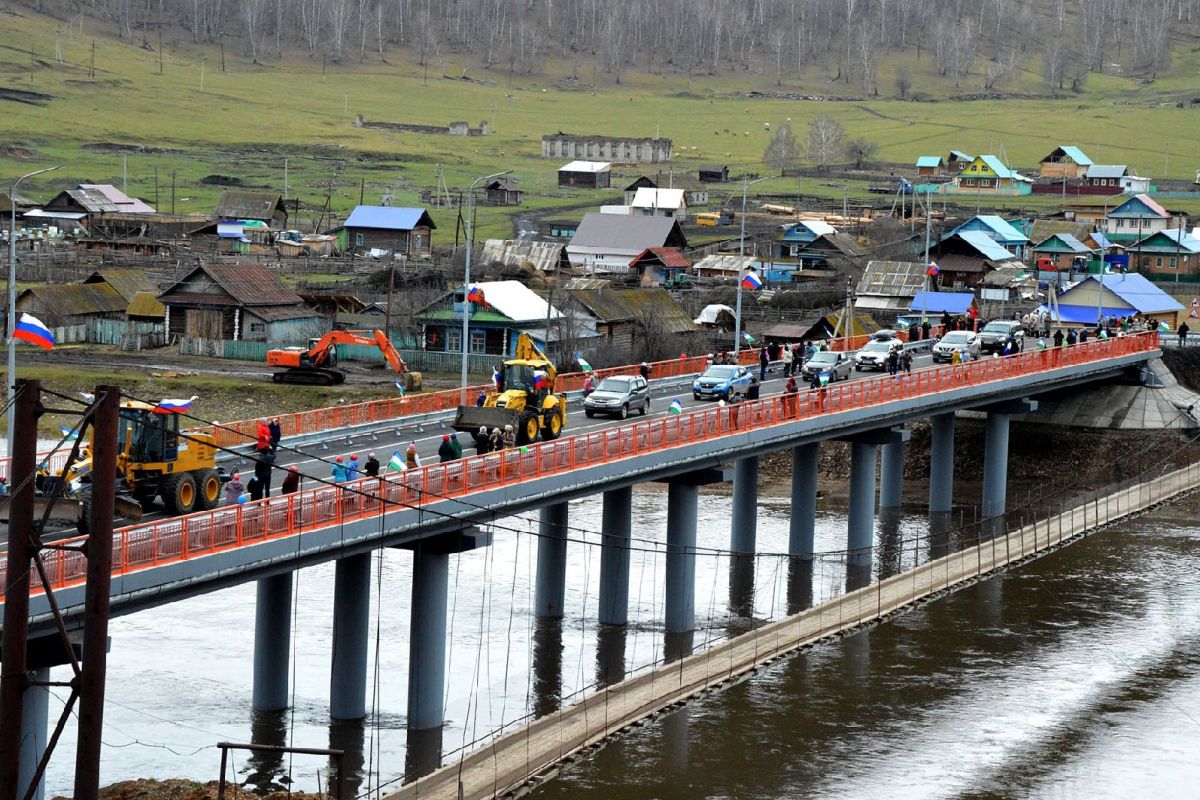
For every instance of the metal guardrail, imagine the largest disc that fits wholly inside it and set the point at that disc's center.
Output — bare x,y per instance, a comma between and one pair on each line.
139,547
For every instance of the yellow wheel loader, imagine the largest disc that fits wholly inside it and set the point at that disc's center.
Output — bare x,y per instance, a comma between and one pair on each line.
528,402
152,461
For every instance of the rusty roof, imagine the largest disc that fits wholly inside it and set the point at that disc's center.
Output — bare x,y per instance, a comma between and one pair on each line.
238,204
127,282
247,284
610,304
667,256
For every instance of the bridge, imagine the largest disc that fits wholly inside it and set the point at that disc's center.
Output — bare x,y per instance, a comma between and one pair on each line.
436,511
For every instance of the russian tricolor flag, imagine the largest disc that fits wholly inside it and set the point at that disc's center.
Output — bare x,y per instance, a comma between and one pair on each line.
932,271
541,380
175,406
476,296
30,329
751,280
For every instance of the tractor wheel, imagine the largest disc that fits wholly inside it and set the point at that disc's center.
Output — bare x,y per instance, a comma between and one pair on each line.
208,487
179,493
527,427
85,515
553,426
145,499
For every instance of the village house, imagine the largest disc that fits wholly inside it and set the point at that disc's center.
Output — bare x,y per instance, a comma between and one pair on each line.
509,309
237,205
608,242
964,257
73,303
503,192
1060,252
585,174
957,161
997,229
713,173
1116,177
630,191
1137,218
240,302
656,266
989,174
653,202
888,287
85,204
623,316
1117,296
1064,161
387,230
1165,255
930,166
793,239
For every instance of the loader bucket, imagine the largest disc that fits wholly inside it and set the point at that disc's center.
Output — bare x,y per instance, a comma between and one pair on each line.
470,419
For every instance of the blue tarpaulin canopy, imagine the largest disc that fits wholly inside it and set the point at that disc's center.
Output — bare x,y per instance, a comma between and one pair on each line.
1084,315
942,302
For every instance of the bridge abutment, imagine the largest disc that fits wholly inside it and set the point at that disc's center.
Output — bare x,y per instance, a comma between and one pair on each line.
744,529
550,590
272,642
351,614
616,529
803,522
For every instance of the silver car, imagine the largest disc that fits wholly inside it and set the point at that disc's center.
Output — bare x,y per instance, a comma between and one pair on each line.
965,342
617,396
835,363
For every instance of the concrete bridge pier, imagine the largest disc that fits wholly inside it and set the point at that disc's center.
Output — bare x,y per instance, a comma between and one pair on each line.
35,725
891,474
941,471
427,631
744,530
803,525
550,590
864,450
616,527
351,615
680,601
272,642
995,463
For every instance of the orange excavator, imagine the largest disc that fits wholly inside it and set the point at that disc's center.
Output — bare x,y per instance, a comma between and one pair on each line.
316,365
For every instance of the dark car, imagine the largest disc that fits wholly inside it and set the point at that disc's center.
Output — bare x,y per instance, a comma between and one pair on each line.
617,396
996,333
836,364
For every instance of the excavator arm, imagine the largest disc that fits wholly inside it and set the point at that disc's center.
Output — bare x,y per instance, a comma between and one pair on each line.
528,352
314,364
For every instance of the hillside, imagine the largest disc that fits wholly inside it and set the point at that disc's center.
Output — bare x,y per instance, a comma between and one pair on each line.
109,92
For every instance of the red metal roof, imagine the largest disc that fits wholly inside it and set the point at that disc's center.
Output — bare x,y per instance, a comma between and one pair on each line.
668,256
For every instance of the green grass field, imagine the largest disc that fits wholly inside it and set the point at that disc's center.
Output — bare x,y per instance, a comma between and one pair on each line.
247,119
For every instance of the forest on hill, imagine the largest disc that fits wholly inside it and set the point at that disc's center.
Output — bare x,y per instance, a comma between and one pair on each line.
857,47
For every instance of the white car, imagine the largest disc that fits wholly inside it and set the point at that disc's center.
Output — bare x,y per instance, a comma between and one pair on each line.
964,342
874,354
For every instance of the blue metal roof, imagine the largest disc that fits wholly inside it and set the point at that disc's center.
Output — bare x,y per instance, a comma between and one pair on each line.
387,218
997,166
1075,154
1134,289
1072,244
940,302
1004,231
961,156
986,246
929,161
1101,240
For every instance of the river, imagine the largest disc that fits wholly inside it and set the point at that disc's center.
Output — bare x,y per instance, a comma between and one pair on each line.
1039,683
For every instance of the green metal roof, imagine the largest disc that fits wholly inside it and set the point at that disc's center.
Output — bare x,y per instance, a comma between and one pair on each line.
449,315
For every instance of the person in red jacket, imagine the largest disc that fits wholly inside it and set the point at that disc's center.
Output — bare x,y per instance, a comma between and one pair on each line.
264,437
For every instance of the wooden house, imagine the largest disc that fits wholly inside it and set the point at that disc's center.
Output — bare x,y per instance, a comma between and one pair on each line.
964,257
585,174
791,240
87,202
240,302
713,173
659,265
509,309
985,174
1064,161
1166,253
622,316
1136,218
1060,252
392,230
265,207
660,203
608,242
957,161
1117,296
997,229
631,190
503,192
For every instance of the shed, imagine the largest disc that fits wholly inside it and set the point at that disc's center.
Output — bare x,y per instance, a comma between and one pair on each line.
393,230
930,165
145,307
518,253
585,174
240,302
620,316
889,286
70,304
713,173
1114,296
658,265
266,207
953,303
503,192
608,242
127,282
833,326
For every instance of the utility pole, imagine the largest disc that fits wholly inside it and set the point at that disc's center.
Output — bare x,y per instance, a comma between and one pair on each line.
172,191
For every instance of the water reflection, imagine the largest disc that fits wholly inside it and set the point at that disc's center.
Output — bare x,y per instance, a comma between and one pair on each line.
347,735
858,574
610,654
890,545
677,740
677,645
264,769
424,752
799,584
547,666
741,585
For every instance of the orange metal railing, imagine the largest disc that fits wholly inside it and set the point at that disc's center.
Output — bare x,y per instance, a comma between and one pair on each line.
145,546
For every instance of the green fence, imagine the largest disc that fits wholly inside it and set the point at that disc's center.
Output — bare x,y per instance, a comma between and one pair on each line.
418,360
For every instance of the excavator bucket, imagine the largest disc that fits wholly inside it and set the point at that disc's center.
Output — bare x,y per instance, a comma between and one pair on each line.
470,419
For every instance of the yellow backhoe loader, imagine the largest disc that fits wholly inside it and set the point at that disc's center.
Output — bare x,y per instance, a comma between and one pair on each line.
528,402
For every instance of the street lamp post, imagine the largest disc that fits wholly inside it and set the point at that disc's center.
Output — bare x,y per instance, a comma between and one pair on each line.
737,318
466,314
12,298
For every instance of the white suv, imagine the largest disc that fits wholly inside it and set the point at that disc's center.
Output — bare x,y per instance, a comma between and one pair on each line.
873,355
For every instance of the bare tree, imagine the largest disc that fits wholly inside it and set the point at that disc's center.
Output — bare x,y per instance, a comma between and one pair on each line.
860,149
825,137
903,83
783,151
